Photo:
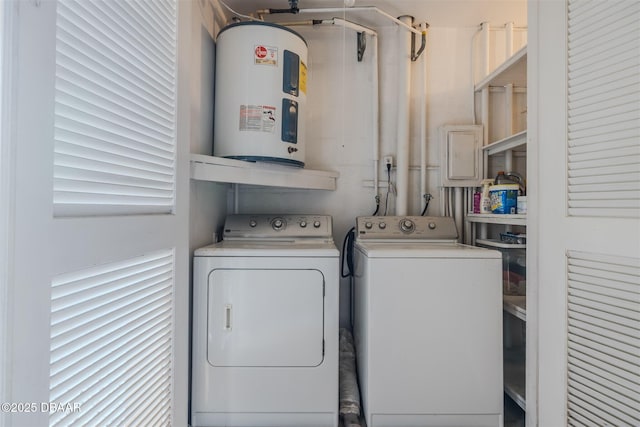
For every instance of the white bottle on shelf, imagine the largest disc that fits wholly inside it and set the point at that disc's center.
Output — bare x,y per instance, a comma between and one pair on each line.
485,198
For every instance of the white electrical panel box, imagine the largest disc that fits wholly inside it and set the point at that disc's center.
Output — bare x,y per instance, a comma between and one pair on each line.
461,163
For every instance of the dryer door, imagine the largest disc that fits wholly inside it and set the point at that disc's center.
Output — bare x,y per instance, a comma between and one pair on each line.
264,317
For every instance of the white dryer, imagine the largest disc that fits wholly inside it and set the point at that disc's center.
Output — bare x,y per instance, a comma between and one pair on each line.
265,324
427,325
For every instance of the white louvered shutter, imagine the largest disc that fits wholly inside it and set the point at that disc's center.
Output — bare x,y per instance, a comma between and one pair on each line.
115,107
111,343
584,122
604,108
100,261
603,290
112,326
603,340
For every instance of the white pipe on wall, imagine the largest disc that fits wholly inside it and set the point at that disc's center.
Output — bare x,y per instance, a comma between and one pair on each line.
374,9
423,126
508,109
508,124
403,110
354,26
375,116
485,43
333,21
484,100
508,40
484,46
474,75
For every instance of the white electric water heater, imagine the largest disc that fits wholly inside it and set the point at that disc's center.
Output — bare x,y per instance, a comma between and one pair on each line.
260,93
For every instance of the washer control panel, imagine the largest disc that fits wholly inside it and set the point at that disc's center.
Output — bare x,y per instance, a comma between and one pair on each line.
277,226
406,227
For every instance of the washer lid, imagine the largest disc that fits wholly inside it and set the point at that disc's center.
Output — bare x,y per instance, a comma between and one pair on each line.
424,250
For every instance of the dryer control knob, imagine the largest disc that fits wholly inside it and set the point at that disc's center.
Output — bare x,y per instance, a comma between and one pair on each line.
316,224
382,225
303,224
277,224
432,226
368,225
253,223
407,225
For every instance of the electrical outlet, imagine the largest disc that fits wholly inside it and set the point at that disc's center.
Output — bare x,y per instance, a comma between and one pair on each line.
388,160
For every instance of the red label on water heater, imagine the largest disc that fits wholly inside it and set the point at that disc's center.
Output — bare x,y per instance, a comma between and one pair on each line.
265,55
261,52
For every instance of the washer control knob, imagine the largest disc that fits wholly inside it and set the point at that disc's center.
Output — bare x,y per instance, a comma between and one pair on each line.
316,224
432,226
277,224
407,225
368,225
382,225
303,224
253,223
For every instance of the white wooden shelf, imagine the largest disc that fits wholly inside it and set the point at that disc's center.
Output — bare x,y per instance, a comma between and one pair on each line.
500,244
516,305
516,142
219,169
515,219
512,71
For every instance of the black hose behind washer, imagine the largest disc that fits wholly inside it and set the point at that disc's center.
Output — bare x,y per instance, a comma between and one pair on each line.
347,252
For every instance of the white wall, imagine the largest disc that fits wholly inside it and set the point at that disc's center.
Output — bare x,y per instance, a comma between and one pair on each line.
208,199
339,125
339,128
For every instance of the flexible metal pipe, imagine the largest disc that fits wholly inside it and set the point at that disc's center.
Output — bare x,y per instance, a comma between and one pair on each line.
403,119
458,207
468,207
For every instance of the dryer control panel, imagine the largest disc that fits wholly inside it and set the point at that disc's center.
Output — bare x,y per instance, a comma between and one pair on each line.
406,228
277,226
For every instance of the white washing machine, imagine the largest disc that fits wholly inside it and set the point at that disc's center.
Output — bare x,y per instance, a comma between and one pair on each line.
427,325
265,324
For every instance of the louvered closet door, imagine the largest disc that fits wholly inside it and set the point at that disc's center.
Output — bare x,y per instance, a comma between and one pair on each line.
100,293
586,148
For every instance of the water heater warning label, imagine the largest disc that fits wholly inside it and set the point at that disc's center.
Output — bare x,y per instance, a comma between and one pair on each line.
257,118
265,55
303,77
